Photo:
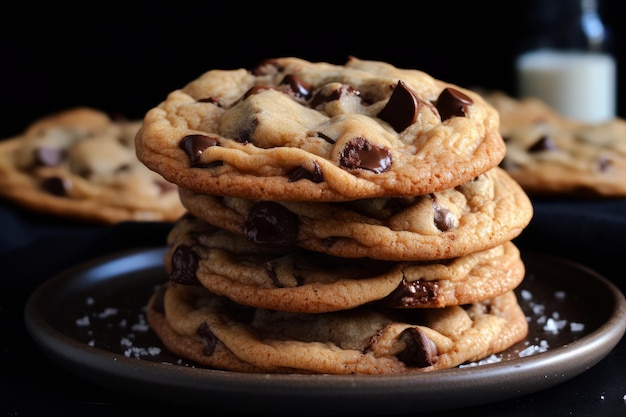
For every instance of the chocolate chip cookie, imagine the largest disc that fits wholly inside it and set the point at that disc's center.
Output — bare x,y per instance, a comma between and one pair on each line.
290,129
291,279
480,214
215,332
548,154
82,165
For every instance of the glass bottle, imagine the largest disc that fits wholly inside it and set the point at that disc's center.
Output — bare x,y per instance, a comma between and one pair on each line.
566,59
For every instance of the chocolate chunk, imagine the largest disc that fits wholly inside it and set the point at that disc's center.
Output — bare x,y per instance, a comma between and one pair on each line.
300,173
413,293
324,96
210,341
184,266
255,90
47,156
359,153
57,186
326,137
270,223
444,219
299,88
420,350
194,145
215,100
544,143
452,102
401,109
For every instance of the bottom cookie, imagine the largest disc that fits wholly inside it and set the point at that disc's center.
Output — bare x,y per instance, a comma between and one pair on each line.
215,332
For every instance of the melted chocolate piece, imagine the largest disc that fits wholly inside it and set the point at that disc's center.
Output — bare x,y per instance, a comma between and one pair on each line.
413,293
215,100
194,145
401,109
444,219
210,341
323,96
359,153
300,173
300,89
255,90
184,266
325,137
544,143
452,102
47,156
57,186
420,350
270,223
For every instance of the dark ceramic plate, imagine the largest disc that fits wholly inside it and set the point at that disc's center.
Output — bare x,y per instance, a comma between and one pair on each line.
91,320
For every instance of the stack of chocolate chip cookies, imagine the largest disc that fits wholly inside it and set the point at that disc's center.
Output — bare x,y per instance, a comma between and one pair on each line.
341,219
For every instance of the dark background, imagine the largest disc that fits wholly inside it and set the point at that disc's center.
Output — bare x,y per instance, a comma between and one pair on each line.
124,60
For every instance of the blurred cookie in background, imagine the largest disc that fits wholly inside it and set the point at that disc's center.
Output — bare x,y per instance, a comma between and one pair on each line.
81,164
549,154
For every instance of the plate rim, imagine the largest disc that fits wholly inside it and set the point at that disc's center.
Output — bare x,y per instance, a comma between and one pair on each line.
195,386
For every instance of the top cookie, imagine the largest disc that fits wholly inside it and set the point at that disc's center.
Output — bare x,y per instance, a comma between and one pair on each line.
548,154
80,164
296,130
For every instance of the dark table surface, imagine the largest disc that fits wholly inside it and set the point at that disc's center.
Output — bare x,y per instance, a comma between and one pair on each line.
34,248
